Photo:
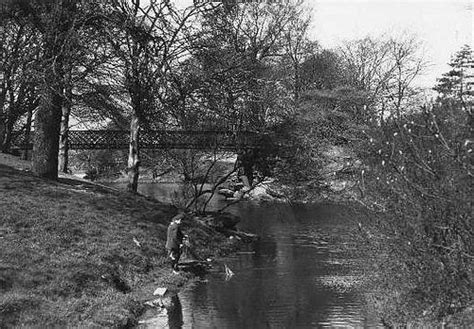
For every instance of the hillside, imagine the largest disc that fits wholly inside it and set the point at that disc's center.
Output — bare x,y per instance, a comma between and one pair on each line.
68,255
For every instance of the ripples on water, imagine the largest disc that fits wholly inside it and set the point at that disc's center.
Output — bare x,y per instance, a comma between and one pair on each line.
301,274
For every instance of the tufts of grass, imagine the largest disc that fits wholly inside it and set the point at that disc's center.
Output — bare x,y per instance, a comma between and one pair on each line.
68,256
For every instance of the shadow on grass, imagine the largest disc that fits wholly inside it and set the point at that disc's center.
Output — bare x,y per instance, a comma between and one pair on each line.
11,178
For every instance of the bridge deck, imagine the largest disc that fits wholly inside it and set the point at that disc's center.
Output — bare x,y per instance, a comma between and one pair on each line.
155,139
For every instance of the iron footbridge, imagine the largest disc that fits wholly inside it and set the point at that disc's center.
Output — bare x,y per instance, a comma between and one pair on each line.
154,139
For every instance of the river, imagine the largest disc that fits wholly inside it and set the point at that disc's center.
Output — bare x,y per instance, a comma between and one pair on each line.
304,272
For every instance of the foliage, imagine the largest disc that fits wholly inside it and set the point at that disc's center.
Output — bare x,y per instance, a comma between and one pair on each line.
236,53
419,172
326,119
458,82
323,70
98,163
363,83
329,112
233,80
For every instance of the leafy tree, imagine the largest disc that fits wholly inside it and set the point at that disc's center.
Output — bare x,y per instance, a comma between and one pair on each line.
330,112
323,70
238,52
459,81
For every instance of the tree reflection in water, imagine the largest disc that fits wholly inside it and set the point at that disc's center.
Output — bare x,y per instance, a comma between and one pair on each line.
284,284
175,313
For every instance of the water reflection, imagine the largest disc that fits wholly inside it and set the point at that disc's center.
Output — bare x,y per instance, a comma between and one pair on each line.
169,317
175,313
300,276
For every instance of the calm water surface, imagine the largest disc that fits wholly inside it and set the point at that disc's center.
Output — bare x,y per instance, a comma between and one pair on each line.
303,273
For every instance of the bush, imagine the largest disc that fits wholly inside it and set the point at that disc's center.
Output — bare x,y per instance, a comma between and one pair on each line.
421,178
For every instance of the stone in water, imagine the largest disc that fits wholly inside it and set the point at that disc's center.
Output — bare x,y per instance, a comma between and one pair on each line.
160,291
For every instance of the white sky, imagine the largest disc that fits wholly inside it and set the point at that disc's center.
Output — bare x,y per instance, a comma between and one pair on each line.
443,25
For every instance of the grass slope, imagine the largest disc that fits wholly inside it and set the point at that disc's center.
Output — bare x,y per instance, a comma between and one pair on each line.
67,256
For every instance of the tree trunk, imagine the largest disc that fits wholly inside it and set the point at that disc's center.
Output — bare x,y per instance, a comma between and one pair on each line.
48,116
2,129
58,22
64,140
133,155
8,127
7,135
47,127
27,134
3,94
63,158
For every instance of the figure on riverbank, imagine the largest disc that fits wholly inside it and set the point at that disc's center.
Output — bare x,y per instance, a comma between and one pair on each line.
174,240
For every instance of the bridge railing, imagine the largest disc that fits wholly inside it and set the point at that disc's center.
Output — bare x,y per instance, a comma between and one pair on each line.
155,139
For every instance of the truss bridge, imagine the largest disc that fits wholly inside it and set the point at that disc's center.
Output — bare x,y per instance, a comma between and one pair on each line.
155,139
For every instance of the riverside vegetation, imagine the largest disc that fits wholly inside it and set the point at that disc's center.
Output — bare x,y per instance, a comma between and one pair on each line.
129,66
68,252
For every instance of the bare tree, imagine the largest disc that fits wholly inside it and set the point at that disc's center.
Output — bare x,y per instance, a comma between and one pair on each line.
298,48
90,73
21,50
58,22
408,65
146,40
385,69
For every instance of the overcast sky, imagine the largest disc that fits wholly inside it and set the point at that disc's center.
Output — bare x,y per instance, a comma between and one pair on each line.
443,25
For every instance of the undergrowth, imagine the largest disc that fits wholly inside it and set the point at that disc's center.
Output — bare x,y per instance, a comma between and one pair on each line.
421,175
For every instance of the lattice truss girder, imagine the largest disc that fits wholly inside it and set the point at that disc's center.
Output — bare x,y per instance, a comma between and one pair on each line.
156,139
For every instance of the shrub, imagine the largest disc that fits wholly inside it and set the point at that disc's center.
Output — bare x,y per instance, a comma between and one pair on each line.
420,177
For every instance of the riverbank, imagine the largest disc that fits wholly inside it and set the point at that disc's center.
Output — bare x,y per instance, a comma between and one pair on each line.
78,254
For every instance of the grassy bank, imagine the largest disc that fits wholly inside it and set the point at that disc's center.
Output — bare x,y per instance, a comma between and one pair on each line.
68,256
